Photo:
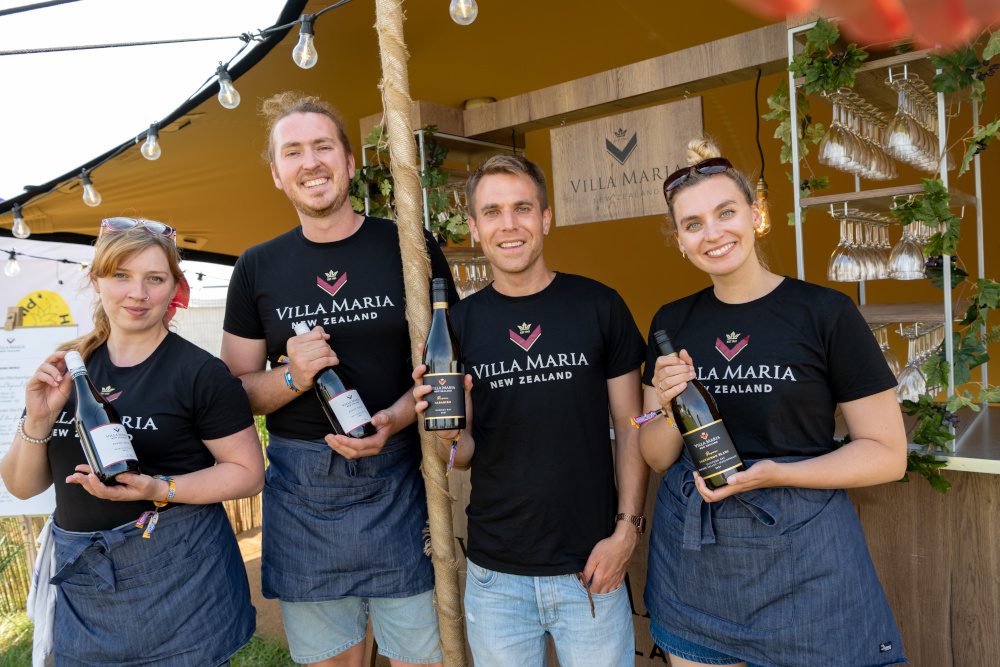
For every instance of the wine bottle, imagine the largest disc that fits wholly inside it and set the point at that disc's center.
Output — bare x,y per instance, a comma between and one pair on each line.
445,374
341,402
705,435
106,444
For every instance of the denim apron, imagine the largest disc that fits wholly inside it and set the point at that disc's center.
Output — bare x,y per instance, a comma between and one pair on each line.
177,599
779,577
337,528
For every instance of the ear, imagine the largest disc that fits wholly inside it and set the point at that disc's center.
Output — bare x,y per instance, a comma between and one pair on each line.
546,220
757,215
473,229
274,175
350,164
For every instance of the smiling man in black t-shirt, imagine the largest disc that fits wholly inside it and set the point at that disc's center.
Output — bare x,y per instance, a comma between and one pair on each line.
550,531
342,516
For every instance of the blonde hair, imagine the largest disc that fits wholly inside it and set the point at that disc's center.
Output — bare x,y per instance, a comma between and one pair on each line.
699,150
511,164
279,105
111,251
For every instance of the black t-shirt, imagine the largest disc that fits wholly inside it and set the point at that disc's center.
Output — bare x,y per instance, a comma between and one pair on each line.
778,365
543,482
353,288
178,397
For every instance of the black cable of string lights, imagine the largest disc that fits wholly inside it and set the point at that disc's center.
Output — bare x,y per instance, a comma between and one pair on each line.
268,39
11,253
37,5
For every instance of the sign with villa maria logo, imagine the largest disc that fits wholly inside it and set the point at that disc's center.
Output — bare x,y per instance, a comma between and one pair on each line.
613,167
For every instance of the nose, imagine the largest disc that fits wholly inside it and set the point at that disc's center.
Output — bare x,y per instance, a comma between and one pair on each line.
713,230
508,220
137,291
309,159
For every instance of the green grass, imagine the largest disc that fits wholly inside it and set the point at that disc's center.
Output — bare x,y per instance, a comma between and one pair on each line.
15,640
15,647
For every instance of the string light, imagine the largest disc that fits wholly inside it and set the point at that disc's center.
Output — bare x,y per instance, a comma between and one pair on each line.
151,148
20,229
11,268
463,12
304,54
762,223
91,197
229,97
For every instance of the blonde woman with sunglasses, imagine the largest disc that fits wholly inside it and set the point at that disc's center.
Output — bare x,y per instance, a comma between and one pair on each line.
770,568
131,590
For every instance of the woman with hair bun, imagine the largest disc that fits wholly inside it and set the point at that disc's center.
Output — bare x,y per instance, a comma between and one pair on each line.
770,569
126,595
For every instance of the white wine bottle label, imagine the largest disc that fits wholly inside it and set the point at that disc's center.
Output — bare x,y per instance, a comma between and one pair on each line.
350,410
447,397
712,449
112,444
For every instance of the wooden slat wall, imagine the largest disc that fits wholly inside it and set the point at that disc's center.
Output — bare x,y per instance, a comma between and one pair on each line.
939,561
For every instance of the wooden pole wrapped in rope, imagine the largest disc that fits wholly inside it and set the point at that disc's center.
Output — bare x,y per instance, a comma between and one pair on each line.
416,278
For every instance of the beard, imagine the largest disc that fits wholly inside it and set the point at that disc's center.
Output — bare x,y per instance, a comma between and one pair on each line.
338,201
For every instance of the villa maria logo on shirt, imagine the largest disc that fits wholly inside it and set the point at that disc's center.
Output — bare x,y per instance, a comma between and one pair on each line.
332,284
335,311
64,423
110,393
524,329
738,345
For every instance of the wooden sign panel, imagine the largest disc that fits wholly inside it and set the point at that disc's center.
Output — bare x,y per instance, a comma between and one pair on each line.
613,168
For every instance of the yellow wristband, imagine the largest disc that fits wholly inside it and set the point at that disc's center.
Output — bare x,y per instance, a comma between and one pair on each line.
172,488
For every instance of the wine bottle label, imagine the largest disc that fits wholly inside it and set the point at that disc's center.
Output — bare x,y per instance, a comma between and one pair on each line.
112,444
349,410
447,397
712,449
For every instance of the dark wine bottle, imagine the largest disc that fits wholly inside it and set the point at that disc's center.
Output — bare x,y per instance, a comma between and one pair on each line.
105,441
341,402
705,435
445,374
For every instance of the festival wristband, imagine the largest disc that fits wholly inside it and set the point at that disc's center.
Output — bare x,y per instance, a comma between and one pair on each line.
290,382
171,489
650,416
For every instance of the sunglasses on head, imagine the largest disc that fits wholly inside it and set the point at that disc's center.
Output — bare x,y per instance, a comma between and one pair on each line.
713,165
111,225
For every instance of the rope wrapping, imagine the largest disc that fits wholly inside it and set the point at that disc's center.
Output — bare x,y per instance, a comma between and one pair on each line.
396,102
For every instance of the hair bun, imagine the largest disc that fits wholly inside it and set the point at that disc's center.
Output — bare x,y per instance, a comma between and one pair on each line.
701,149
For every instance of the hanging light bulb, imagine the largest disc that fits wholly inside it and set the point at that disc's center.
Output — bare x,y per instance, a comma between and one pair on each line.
229,97
463,12
305,54
91,197
762,224
11,268
20,229
151,148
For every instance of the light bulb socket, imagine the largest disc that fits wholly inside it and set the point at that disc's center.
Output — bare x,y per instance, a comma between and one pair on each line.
16,210
761,189
306,22
154,131
223,73
85,177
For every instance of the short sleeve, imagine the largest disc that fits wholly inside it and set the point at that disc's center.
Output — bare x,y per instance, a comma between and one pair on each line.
624,342
440,267
856,366
221,406
241,317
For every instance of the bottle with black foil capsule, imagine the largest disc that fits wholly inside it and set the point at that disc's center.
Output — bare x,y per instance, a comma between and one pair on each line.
341,402
105,441
705,435
445,374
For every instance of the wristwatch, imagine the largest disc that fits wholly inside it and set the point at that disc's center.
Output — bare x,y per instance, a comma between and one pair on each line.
639,521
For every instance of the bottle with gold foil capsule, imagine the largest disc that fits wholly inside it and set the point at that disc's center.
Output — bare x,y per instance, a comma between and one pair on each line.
445,374
706,438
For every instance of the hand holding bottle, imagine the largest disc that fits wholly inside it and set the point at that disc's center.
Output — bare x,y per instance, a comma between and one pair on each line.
45,395
308,354
670,377
762,474
420,391
129,486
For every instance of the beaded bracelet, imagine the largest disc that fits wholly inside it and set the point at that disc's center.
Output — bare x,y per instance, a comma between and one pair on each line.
290,382
28,438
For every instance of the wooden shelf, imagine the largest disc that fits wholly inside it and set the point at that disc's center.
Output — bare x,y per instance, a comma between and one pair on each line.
891,313
880,200
871,76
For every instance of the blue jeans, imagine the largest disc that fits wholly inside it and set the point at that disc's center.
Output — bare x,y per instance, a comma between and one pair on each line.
508,615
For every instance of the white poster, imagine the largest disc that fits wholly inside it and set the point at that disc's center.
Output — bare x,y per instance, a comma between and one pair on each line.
21,352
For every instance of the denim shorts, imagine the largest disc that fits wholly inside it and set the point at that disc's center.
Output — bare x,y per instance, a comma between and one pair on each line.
406,629
507,617
683,648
